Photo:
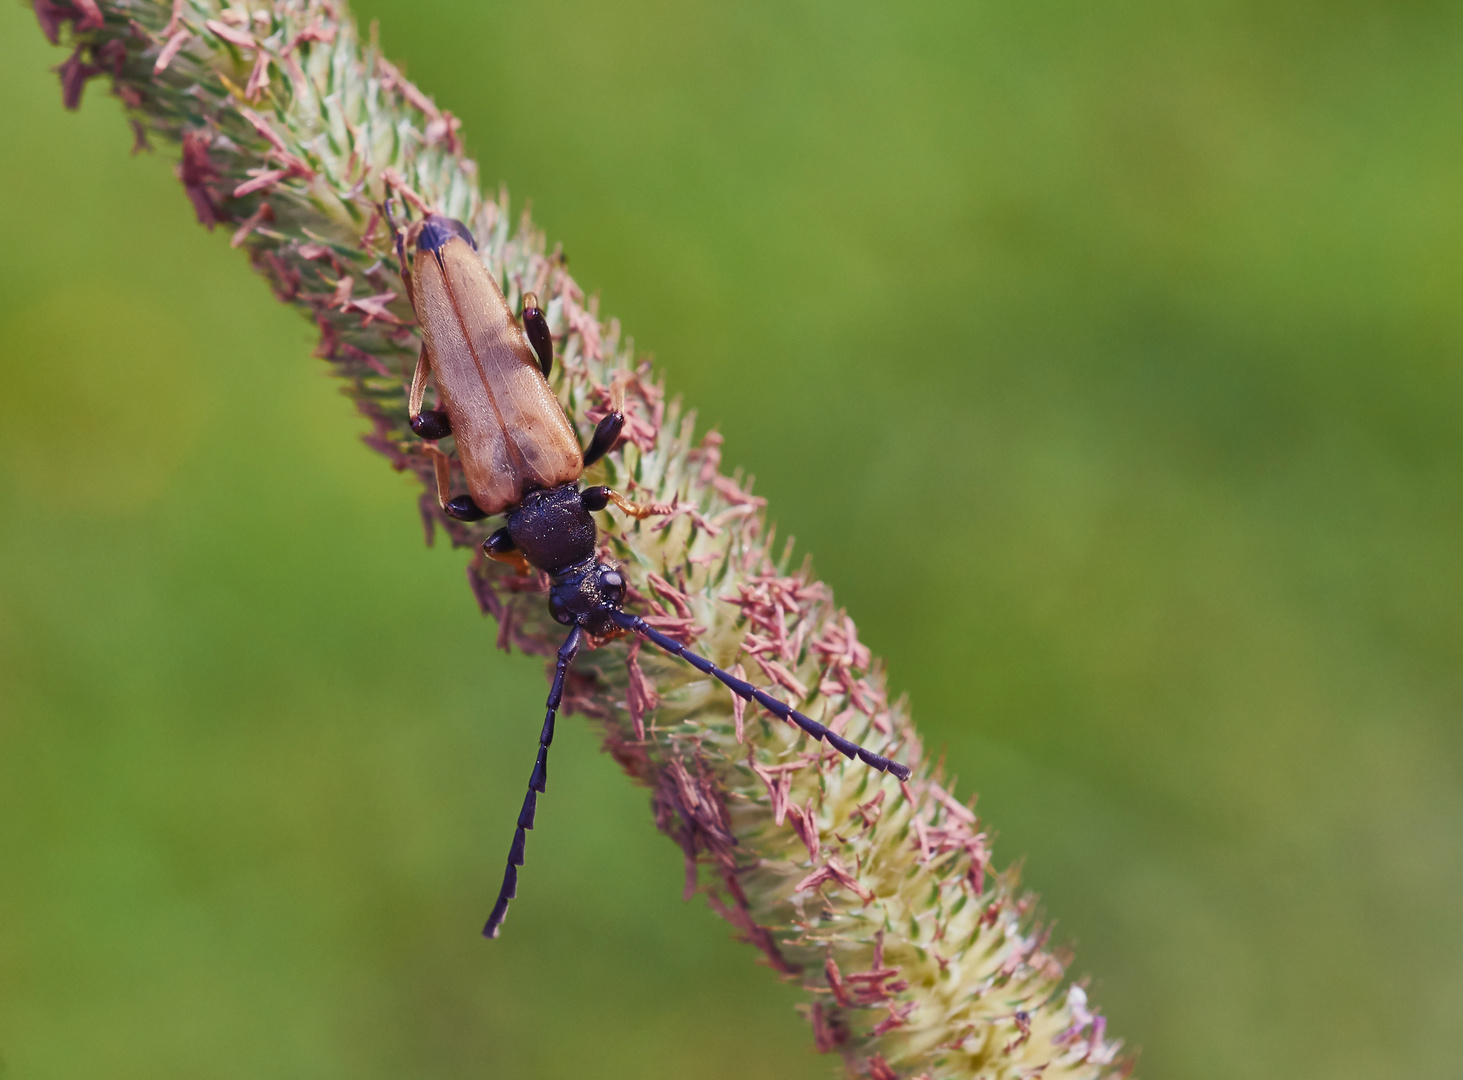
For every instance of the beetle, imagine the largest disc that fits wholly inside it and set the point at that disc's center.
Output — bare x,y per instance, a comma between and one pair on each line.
522,459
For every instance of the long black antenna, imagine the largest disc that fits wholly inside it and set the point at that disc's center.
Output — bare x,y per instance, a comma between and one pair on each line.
536,783
746,690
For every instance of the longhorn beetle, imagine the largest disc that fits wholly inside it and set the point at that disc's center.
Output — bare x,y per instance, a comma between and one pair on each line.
521,458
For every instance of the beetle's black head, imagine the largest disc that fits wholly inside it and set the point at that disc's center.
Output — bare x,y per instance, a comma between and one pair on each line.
588,594
437,229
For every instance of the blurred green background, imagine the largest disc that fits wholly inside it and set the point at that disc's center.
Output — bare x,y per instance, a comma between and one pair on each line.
1105,356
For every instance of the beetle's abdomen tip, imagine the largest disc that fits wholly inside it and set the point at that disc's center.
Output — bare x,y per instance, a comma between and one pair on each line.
437,229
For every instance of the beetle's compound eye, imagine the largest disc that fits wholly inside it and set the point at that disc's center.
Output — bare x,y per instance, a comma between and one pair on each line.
557,609
613,586
437,229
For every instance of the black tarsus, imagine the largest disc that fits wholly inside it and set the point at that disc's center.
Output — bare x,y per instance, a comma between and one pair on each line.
746,690
536,326
605,433
431,424
500,543
536,784
464,509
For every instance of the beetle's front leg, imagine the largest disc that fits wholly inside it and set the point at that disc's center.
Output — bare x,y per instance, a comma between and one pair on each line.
500,548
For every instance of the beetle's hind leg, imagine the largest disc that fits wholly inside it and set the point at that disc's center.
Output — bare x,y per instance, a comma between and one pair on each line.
536,326
606,434
398,235
433,423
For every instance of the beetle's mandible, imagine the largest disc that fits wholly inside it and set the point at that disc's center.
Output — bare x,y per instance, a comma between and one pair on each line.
522,459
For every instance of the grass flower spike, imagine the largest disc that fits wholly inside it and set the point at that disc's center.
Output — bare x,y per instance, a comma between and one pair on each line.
877,895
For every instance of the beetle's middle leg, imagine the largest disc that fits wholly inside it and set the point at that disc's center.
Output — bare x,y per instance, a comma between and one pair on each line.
597,498
606,434
431,424
460,507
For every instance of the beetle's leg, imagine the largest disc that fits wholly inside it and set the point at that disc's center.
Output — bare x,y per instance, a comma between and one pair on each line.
460,507
746,690
443,468
500,548
433,423
536,784
396,235
605,433
597,498
536,326
463,508
419,381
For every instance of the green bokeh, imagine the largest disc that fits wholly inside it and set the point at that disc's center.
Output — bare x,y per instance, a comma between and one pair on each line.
1106,357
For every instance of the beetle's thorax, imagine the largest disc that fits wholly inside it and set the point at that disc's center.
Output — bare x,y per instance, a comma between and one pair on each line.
553,529
556,533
